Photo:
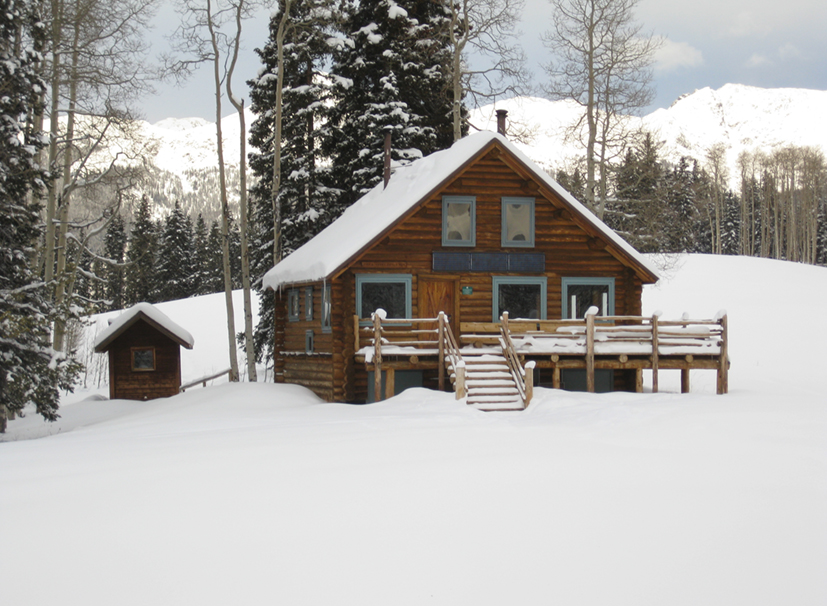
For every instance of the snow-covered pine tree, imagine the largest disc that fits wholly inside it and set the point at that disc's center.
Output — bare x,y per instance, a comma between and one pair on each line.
388,73
202,257
214,269
115,251
141,274
176,257
31,372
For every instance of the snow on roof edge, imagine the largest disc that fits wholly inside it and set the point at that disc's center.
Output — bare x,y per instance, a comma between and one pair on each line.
151,312
380,208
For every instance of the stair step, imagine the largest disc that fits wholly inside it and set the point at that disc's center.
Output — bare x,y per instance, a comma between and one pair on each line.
489,383
489,375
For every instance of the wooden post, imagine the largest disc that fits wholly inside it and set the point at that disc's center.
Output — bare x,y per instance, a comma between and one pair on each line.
377,357
684,380
723,360
441,338
529,382
555,377
390,380
638,380
356,333
460,383
504,321
655,352
590,351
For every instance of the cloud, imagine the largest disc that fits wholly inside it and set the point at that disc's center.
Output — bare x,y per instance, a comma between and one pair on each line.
789,51
747,23
758,60
672,56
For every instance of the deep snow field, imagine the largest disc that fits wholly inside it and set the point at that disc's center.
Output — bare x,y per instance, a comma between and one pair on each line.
262,494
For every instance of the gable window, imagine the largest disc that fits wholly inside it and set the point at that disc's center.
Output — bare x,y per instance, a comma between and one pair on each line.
459,223
581,293
518,222
143,359
327,308
521,297
308,303
391,292
293,305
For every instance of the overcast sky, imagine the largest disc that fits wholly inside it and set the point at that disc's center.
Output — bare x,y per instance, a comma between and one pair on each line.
767,43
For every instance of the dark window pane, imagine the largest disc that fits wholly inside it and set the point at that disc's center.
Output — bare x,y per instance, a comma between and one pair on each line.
520,300
390,296
143,359
583,296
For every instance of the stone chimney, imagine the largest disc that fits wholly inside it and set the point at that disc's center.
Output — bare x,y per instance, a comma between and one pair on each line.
501,115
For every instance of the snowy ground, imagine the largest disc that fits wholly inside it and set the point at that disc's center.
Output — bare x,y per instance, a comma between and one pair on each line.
262,494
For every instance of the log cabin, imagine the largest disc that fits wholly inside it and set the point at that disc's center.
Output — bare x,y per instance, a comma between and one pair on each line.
472,231
144,348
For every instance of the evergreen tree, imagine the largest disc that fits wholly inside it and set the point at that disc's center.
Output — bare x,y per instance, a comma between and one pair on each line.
388,76
115,252
201,256
141,276
31,372
176,258
214,269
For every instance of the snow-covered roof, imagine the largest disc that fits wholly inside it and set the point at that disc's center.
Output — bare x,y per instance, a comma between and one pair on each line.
379,209
152,316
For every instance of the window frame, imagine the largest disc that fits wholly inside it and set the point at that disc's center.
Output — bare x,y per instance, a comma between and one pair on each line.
134,350
407,279
308,303
309,341
293,296
327,303
497,281
583,281
447,201
504,241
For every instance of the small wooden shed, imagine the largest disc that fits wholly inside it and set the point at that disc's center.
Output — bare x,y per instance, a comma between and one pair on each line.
144,348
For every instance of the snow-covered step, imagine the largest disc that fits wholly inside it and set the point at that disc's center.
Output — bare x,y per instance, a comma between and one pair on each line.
489,382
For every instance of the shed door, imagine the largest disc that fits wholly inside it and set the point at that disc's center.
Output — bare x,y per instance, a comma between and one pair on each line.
438,294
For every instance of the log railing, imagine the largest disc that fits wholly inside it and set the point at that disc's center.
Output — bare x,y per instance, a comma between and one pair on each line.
394,336
203,380
523,376
626,336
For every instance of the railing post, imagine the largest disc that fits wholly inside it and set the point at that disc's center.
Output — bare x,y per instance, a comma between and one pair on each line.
441,338
504,321
529,381
590,349
723,360
377,357
356,327
655,351
460,384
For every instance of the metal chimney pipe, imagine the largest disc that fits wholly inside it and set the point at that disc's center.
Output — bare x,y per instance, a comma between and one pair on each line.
387,173
501,114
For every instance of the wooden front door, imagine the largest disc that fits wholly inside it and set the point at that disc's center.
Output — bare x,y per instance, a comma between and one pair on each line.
439,294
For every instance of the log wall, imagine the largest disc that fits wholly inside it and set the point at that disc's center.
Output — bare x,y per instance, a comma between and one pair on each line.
128,384
570,249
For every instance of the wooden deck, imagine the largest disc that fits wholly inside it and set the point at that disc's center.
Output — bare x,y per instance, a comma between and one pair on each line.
628,343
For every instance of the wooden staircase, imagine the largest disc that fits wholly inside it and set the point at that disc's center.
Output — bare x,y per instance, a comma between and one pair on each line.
489,383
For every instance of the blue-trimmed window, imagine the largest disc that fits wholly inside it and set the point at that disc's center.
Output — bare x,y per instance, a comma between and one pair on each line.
518,222
459,221
327,308
308,303
520,296
581,293
391,292
309,341
293,305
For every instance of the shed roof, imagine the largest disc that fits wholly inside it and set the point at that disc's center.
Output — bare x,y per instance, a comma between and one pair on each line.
381,208
149,314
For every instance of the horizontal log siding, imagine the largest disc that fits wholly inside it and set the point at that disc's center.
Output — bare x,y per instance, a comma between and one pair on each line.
162,382
313,372
408,248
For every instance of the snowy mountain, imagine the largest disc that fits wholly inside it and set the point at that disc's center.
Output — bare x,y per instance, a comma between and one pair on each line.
742,118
